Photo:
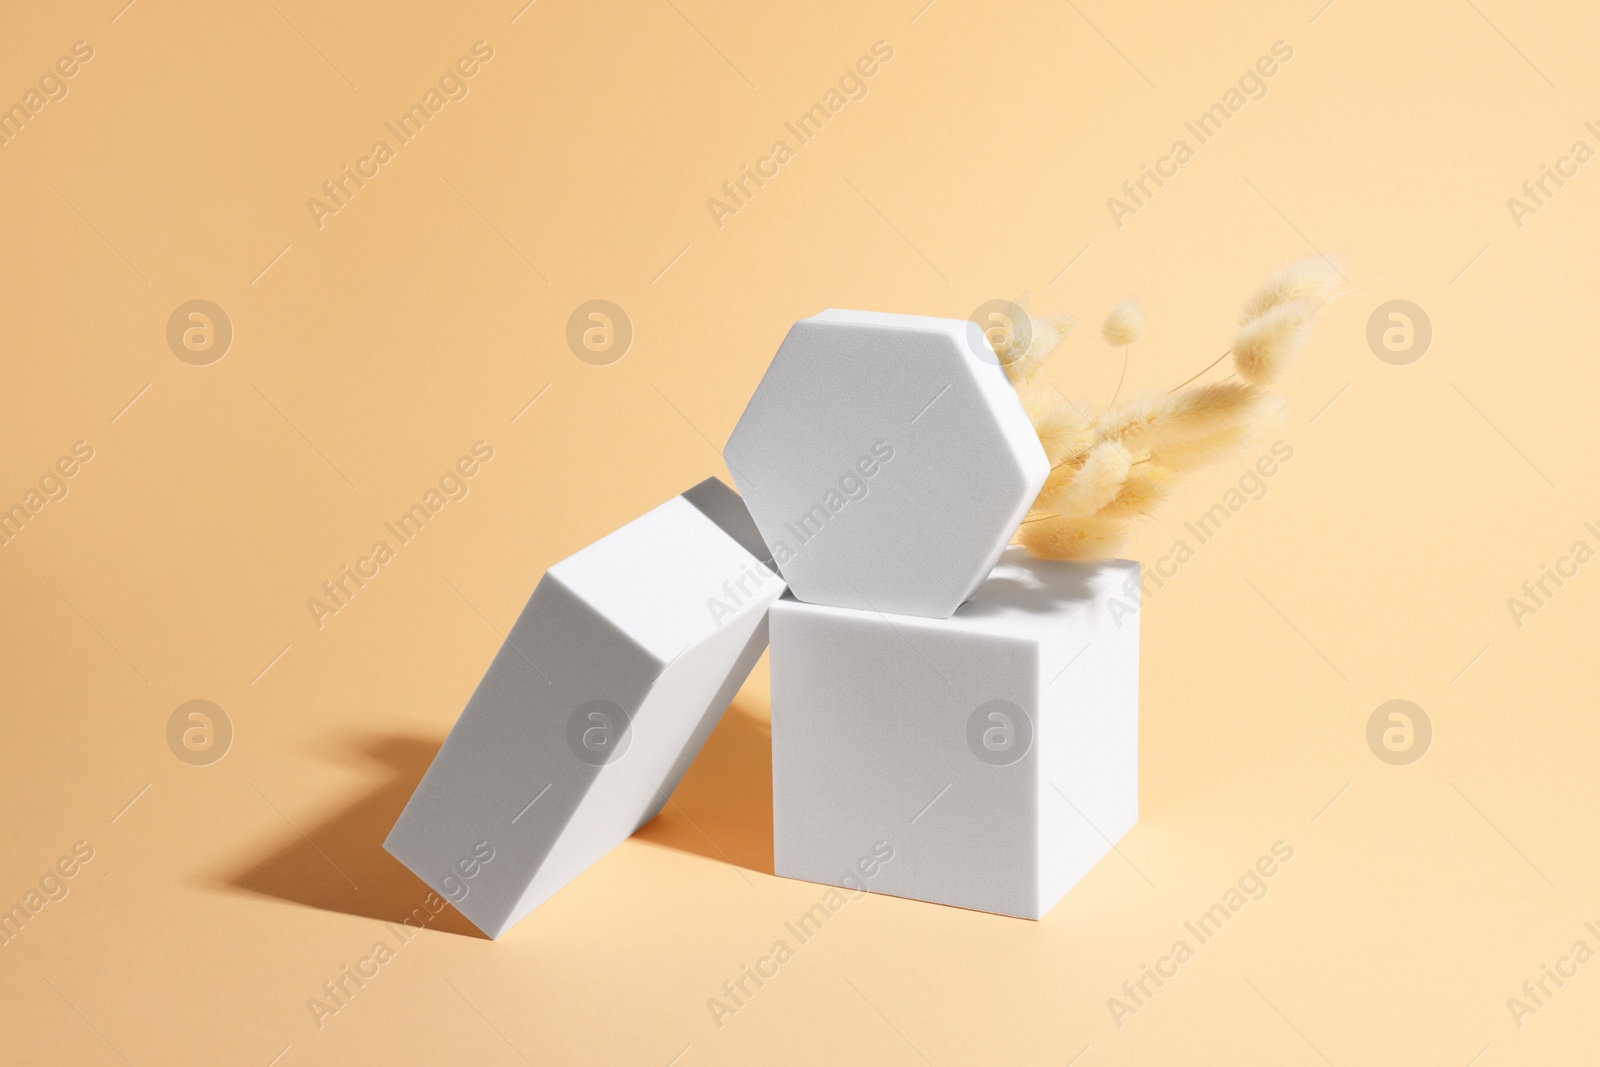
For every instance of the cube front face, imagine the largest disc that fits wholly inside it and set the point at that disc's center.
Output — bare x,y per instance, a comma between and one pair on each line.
997,773
618,668
886,461
869,744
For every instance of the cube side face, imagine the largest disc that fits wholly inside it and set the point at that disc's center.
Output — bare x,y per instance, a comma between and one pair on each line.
884,462
668,578
1089,728
744,662
614,669
873,751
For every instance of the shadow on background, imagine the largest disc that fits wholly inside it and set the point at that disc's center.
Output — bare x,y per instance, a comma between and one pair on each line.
722,810
373,884
723,807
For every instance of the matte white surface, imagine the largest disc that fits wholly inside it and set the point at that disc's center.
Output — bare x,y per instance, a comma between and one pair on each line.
626,620
870,738
919,534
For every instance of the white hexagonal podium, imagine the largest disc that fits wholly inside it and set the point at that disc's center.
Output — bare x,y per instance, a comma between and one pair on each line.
995,752
886,461
608,684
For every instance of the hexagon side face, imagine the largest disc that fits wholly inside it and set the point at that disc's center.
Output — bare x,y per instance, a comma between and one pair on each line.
884,463
615,667
946,741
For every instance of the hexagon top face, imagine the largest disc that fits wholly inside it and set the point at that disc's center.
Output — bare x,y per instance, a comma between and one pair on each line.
886,461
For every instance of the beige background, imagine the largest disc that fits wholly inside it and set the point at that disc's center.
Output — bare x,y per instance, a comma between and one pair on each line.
430,311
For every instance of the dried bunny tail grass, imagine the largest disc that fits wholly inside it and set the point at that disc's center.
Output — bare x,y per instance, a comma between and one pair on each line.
1073,539
1094,485
1063,430
1148,484
1313,279
1266,346
1226,441
1124,324
1111,468
1045,336
1130,421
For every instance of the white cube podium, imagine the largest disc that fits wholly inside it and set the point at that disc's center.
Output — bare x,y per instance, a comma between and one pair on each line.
886,460
995,751
616,672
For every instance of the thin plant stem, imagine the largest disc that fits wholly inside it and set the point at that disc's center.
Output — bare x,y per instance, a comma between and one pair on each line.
1208,366
1120,378
1075,455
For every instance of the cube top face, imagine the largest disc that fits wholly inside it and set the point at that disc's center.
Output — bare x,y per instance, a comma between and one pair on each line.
886,460
1049,605
996,752
665,579
617,670
1034,599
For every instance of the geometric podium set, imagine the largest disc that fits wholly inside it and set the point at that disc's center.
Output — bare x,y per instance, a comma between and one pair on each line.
953,720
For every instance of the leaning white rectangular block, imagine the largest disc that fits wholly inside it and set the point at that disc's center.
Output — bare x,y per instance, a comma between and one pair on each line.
616,672
996,752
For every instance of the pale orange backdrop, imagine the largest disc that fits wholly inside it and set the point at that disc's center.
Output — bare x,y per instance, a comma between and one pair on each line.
430,311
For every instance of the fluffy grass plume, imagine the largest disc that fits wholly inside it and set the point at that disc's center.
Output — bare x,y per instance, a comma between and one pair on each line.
1063,430
1151,420
1277,319
1060,477
1148,484
1094,485
1131,422
1314,279
1045,336
1124,324
1079,539
1204,409
1184,456
1266,346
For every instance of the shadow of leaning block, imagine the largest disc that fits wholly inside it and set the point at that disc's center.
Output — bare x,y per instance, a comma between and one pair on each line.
722,809
343,867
